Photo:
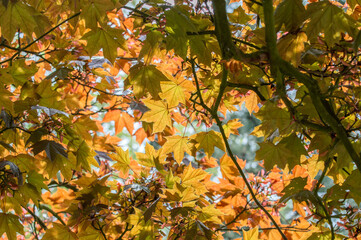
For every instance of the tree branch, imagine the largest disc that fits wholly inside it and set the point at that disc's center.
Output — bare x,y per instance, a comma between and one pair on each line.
228,49
322,106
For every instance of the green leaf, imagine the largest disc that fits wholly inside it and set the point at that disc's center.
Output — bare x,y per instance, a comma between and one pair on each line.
18,15
286,153
239,16
36,180
95,12
357,41
85,156
151,46
296,186
52,149
108,39
30,191
209,140
199,47
49,97
59,232
273,119
10,225
36,135
331,20
5,100
291,14
146,79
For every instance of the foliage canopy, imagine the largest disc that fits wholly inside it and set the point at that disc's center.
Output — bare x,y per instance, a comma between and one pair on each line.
77,75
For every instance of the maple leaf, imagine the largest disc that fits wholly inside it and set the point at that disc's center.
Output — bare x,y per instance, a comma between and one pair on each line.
95,12
292,46
91,234
10,225
251,234
239,16
5,100
232,127
121,120
30,191
85,156
173,92
332,20
158,115
108,39
210,214
59,231
192,176
287,152
145,78
291,14
209,140
122,160
228,168
51,148
251,102
273,118
18,15
178,145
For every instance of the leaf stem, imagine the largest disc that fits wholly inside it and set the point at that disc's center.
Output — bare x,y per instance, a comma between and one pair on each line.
36,218
46,208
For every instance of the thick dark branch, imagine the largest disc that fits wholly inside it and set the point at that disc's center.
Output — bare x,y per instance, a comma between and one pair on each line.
228,50
322,106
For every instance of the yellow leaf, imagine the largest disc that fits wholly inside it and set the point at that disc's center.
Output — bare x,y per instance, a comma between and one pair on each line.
10,225
90,234
95,12
232,127
147,158
173,92
208,140
59,232
193,175
251,234
178,145
291,46
158,115
251,102
122,160
228,168
210,214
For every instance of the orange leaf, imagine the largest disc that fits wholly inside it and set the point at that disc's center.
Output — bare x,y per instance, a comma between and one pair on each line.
121,120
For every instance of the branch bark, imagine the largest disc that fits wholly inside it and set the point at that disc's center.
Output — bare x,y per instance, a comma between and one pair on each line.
228,49
322,106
